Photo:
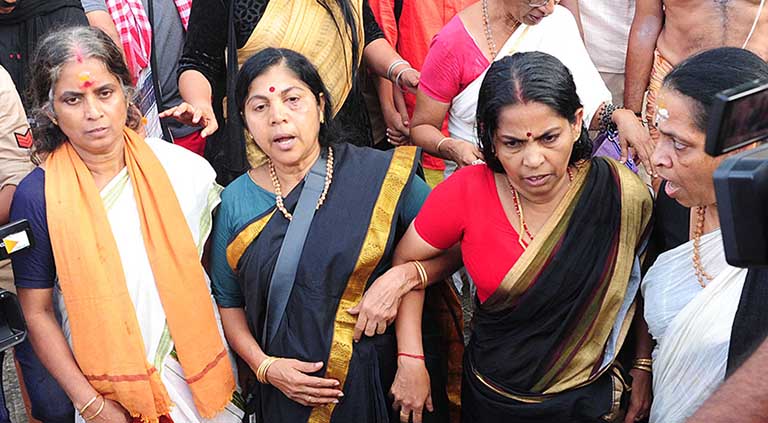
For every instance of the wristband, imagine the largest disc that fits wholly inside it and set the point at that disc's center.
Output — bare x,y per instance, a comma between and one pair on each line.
416,356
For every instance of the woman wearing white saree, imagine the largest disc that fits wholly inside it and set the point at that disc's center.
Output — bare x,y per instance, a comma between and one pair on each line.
691,293
462,52
119,223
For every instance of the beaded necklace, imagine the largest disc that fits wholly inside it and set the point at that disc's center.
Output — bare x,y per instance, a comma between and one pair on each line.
487,28
701,274
279,192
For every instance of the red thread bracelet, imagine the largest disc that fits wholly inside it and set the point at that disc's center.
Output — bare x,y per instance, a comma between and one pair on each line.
418,357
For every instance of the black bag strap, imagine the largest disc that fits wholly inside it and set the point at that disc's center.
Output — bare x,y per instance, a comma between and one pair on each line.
284,275
155,72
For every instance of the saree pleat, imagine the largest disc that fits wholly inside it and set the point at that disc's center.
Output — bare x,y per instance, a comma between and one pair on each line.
541,337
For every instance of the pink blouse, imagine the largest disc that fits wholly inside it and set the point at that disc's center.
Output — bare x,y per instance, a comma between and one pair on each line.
453,62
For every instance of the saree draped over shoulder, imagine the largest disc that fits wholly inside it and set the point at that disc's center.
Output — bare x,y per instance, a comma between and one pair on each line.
349,244
545,342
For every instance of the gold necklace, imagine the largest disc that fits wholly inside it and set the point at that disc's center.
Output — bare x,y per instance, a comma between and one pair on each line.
279,192
489,33
701,274
519,211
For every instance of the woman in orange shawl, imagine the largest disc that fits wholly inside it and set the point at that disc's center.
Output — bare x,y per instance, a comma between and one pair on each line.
119,223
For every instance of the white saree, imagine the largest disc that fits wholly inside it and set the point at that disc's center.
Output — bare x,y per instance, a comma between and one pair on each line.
558,35
691,326
194,183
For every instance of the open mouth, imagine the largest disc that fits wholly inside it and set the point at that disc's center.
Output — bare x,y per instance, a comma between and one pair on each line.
284,141
671,189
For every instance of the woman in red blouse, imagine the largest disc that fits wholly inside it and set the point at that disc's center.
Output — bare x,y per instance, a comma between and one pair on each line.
551,239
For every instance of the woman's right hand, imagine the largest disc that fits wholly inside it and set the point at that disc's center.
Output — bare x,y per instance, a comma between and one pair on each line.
194,115
411,389
112,412
462,152
291,378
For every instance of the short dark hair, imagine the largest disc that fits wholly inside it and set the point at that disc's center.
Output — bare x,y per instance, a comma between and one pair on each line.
264,60
703,75
521,78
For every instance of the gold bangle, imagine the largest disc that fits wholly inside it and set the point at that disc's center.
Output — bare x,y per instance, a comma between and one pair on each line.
643,368
440,143
261,372
101,408
88,404
643,361
423,278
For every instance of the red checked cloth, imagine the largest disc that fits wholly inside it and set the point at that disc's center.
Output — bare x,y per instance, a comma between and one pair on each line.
135,31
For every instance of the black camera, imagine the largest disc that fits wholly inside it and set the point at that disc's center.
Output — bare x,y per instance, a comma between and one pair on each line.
739,118
14,238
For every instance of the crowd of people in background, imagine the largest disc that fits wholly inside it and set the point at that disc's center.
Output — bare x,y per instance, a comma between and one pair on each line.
377,210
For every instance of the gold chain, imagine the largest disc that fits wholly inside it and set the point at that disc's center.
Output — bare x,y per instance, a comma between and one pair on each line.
519,211
701,274
279,192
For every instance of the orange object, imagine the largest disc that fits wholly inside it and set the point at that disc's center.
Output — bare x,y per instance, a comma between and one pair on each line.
411,36
106,337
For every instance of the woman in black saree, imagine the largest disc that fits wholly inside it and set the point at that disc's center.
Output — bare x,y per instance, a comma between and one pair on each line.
551,239
296,243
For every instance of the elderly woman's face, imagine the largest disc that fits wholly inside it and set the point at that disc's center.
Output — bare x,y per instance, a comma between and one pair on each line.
531,12
89,106
283,116
679,156
534,144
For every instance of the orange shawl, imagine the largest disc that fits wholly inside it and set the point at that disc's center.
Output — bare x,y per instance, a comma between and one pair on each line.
106,338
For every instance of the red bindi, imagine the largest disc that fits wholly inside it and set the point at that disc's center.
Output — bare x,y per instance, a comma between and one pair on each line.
528,134
271,89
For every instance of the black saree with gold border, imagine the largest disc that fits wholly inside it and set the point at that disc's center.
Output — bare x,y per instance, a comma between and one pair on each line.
544,343
349,244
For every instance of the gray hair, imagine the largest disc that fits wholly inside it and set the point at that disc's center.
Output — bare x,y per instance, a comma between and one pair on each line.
54,51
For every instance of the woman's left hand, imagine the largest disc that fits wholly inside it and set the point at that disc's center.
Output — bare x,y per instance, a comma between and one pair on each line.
633,134
379,305
641,397
411,389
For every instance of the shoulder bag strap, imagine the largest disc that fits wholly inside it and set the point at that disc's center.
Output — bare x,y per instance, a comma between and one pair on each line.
284,275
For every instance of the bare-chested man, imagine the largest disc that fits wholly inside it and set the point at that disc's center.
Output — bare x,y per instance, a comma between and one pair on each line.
665,32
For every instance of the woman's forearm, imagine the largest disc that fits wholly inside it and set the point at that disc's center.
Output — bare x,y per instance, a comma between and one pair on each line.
239,336
426,125
437,268
428,137
408,324
195,88
384,90
379,55
643,340
52,348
